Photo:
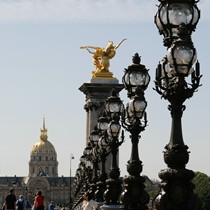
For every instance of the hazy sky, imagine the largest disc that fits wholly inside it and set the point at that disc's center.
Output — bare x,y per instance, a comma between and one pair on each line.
42,67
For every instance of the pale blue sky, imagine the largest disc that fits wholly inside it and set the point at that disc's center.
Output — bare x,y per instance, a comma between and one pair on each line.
42,67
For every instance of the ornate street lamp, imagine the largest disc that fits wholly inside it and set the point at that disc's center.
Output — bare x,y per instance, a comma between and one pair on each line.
86,158
103,151
134,196
176,188
95,162
113,184
80,182
114,108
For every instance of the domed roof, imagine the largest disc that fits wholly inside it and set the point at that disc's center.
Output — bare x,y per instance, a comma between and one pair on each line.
43,145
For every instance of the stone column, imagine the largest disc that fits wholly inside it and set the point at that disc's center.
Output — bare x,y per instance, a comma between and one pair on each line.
96,92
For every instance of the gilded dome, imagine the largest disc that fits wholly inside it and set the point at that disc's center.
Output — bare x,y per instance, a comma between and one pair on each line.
43,146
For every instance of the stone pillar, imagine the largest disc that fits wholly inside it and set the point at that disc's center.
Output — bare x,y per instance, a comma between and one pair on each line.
96,92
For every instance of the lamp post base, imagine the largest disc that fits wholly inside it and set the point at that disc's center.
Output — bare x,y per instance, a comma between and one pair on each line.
176,191
134,197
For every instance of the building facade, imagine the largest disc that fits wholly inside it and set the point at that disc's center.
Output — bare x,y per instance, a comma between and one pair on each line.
43,175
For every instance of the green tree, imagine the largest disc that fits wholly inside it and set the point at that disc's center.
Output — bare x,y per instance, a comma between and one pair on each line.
202,188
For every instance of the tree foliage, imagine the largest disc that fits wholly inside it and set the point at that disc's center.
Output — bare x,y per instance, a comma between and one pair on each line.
202,188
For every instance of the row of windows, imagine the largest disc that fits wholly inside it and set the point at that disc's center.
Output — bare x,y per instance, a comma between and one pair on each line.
46,158
44,151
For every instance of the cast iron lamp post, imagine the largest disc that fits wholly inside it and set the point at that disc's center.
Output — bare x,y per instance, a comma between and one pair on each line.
114,108
176,19
76,183
101,184
86,158
94,138
104,151
135,80
79,181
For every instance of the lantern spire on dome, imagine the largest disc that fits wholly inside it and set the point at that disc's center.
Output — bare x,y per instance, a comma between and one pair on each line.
44,132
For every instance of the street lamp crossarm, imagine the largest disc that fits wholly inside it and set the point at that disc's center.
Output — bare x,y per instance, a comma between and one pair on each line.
180,90
135,128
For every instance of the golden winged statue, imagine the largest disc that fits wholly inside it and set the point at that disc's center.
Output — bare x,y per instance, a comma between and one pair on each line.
101,56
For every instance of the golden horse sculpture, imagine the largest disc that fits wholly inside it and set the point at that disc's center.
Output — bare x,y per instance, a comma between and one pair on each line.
101,57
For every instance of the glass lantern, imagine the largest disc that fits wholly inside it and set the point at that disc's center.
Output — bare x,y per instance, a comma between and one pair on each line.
173,13
82,159
113,129
181,56
94,137
87,150
102,123
136,108
135,75
114,106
